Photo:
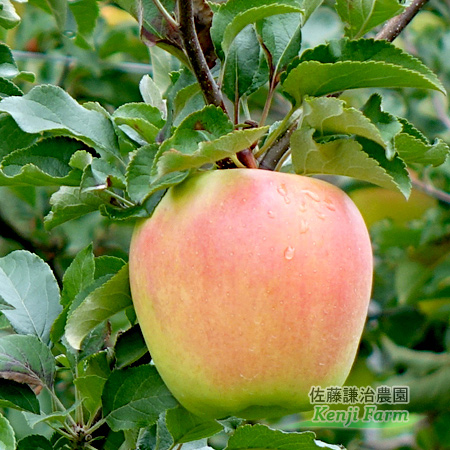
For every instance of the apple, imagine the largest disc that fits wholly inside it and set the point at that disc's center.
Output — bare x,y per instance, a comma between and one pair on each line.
250,287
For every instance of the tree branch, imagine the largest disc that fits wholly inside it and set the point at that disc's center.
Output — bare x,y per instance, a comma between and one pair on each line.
208,85
196,56
396,25
389,32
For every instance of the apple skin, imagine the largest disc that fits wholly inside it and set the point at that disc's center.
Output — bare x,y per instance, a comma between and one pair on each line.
250,287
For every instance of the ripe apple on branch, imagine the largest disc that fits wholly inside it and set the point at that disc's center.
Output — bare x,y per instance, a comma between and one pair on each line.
251,286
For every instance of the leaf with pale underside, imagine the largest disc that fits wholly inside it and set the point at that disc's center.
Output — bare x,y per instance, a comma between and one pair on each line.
329,116
26,359
8,15
29,287
46,163
209,151
347,157
143,119
7,436
261,437
68,203
50,109
413,150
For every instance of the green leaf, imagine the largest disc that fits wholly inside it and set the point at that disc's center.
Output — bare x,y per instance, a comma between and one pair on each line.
388,125
361,16
13,137
29,286
90,389
56,418
413,150
262,437
45,163
186,427
122,214
8,66
345,64
174,160
18,396
135,398
8,88
85,13
308,7
58,8
26,359
80,279
245,66
34,442
7,436
130,347
152,95
102,303
282,37
141,119
79,275
10,71
329,116
100,175
234,15
49,108
346,157
69,203
8,15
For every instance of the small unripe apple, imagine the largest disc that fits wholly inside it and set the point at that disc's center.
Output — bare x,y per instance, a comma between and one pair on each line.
251,287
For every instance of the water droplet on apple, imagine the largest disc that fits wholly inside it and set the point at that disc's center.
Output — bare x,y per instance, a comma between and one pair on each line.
271,214
302,207
287,200
329,204
282,190
321,215
289,253
304,227
312,195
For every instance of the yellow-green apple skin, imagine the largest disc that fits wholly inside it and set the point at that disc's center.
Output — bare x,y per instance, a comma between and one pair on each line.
251,287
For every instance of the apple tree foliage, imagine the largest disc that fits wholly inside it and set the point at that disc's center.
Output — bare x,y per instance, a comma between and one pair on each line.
298,86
